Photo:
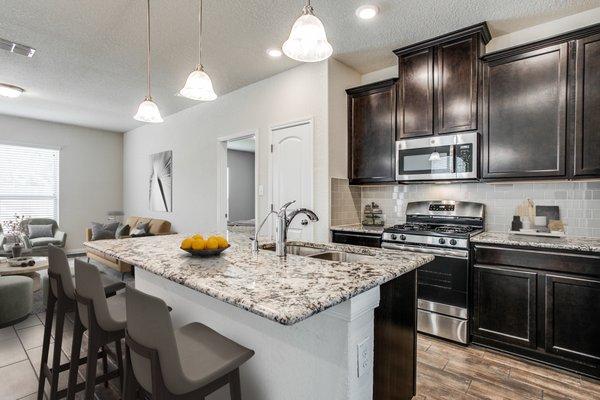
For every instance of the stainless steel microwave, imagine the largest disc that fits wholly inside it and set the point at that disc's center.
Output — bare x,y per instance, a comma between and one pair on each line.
444,157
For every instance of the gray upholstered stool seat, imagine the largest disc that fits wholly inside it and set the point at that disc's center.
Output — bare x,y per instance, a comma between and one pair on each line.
16,299
185,363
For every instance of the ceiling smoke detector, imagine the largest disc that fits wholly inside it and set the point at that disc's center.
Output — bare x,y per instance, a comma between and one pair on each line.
16,48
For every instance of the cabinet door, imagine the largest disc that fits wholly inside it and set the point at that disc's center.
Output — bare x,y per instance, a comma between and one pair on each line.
504,305
356,239
372,132
587,107
456,85
415,104
524,132
572,315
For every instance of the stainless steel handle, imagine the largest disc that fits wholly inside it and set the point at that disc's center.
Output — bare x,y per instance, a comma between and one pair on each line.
463,254
452,159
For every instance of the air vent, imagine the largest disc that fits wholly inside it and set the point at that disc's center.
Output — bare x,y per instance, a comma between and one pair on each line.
16,48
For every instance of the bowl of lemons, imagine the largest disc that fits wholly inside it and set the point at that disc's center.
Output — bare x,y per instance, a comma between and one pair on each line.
196,245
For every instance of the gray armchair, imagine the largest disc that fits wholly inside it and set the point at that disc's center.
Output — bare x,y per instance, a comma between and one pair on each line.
39,245
2,238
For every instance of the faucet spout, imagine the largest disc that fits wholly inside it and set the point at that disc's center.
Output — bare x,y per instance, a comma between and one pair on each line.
283,223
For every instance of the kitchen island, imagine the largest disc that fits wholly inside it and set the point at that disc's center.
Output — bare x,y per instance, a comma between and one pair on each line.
312,322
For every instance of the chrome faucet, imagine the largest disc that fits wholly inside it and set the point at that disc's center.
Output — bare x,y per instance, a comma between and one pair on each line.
283,223
281,227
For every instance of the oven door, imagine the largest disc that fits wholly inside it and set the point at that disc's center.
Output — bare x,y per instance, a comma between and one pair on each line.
425,159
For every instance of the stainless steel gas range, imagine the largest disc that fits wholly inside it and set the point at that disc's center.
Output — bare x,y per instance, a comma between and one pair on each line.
443,229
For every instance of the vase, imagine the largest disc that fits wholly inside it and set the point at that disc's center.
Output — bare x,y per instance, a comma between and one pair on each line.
16,250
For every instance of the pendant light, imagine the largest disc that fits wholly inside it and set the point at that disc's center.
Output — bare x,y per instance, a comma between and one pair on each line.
198,85
307,41
148,111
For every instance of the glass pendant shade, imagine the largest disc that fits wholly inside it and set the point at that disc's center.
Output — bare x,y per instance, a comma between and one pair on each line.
148,112
198,86
307,41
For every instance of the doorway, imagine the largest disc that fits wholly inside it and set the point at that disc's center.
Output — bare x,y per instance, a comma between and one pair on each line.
238,182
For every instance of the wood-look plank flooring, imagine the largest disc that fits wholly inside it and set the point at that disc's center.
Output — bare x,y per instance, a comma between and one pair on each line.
452,372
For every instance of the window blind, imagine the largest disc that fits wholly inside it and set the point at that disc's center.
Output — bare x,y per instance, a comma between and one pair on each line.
28,182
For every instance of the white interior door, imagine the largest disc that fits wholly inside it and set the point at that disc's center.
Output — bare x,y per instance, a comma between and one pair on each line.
292,173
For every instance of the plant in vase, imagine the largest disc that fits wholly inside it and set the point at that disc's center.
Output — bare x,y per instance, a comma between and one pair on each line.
14,229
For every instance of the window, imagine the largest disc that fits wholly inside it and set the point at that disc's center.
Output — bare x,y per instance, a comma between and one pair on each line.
28,182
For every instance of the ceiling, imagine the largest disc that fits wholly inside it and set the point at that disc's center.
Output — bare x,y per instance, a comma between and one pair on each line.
89,67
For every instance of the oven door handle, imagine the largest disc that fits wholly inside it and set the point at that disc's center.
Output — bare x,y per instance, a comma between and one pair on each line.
463,254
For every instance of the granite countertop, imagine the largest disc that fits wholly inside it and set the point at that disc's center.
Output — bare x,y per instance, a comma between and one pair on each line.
571,243
358,228
283,290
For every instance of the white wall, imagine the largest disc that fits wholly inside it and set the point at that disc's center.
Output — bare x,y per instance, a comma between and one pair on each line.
241,185
91,168
296,94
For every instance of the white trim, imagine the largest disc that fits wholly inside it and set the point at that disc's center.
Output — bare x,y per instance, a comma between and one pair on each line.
280,126
222,206
30,144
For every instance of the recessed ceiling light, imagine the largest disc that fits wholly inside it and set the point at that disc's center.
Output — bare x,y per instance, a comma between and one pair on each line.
275,53
11,91
367,11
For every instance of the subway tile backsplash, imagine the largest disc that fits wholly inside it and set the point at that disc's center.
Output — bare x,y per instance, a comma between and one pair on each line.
579,202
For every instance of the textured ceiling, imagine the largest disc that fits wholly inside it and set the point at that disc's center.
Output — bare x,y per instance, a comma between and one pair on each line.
89,68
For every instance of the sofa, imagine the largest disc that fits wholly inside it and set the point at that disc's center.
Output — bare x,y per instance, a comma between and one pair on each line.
156,227
39,245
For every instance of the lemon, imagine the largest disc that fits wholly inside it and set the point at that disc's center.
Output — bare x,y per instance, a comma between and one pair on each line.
198,244
197,236
222,242
186,244
212,243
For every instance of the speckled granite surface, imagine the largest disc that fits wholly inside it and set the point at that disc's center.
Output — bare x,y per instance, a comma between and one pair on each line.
283,290
358,228
583,244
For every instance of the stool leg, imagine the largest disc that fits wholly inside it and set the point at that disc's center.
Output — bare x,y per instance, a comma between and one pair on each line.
46,344
129,388
75,355
119,363
104,365
58,334
234,385
92,360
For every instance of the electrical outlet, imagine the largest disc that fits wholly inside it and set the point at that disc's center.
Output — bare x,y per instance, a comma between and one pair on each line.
364,355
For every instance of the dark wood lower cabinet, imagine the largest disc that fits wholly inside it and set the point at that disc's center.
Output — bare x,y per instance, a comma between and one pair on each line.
505,304
540,304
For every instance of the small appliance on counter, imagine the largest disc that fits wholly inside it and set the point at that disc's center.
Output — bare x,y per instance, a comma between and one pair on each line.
443,229
373,215
535,220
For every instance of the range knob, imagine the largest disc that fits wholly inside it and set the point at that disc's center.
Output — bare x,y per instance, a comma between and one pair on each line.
442,241
402,237
453,242
394,237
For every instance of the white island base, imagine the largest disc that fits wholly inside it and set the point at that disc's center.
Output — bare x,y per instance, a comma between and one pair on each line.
315,359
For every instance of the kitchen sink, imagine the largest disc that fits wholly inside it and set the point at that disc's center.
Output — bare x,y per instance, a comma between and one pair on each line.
342,256
297,250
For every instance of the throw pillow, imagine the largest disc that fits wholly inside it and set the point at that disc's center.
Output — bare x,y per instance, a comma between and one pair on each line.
141,229
104,231
122,230
40,231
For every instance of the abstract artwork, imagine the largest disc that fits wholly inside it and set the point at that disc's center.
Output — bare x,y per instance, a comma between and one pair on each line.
161,181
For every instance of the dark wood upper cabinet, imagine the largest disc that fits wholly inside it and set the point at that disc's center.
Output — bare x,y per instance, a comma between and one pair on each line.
415,105
587,106
438,83
372,132
525,113
456,85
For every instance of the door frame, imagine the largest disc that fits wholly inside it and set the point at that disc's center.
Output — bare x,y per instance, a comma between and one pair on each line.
276,127
222,204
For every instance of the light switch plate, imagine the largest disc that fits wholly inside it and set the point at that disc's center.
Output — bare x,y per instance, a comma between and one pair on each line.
261,190
364,355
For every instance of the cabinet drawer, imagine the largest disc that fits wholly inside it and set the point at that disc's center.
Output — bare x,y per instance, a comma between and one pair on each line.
585,264
356,239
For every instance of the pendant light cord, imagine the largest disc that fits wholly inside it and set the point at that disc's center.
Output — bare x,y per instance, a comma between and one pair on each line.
148,51
200,35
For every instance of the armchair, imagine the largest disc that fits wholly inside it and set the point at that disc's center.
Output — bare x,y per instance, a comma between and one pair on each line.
39,245
2,238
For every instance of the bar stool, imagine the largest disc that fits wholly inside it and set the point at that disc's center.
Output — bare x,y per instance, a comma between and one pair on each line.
180,364
104,319
61,300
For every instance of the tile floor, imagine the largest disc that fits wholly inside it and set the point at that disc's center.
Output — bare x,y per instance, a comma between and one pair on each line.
445,371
